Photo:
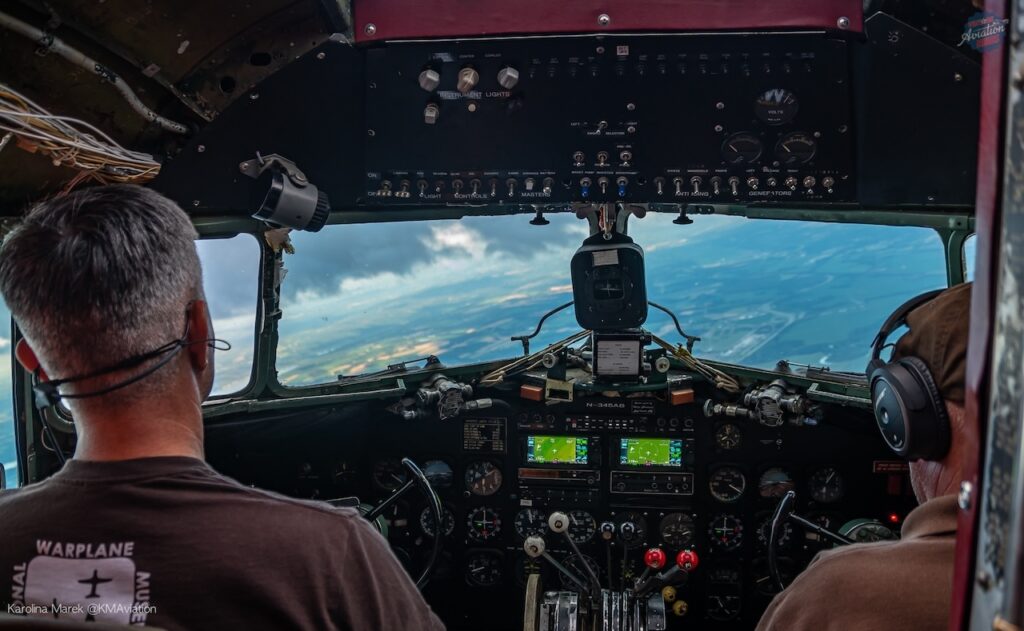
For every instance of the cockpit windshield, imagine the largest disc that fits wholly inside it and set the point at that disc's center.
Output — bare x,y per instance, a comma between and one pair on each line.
360,297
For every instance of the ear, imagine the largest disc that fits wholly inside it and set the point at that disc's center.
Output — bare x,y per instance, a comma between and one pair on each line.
198,335
28,360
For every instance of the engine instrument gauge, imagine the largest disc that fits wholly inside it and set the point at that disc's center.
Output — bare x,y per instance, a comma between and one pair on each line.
483,569
783,537
827,485
763,581
632,528
677,530
728,436
727,484
866,531
483,524
581,526
796,148
742,148
725,531
774,483
427,522
483,478
723,606
776,106
829,521
530,522
389,474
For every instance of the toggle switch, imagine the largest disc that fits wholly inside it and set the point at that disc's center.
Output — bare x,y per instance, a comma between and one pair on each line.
494,187
659,185
510,184
529,183
602,182
678,183
585,184
621,183
828,182
548,186
474,186
457,186
403,189
695,182
431,113
716,185
734,185
753,183
422,186
602,158
790,183
809,181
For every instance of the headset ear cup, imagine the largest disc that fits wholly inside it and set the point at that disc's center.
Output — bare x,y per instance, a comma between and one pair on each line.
929,437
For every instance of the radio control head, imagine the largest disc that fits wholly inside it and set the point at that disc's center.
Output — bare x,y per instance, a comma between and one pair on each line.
558,522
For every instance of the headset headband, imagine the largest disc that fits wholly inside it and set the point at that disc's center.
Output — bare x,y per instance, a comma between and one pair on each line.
898,318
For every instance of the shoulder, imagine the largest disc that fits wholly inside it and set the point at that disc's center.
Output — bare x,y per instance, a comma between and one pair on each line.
269,500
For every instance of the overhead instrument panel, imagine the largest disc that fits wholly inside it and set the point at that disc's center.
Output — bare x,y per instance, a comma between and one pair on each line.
737,118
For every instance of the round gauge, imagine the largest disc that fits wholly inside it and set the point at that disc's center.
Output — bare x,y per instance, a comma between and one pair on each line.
827,485
763,581
728,436
483,569
677,530
632,529
776,107
742,148
795,149
782,538
581,526
727,484
575,565
427,522
483,524
725,531
483,478
866,531
389,474
829,521
723,606
438,473
774,483
530,522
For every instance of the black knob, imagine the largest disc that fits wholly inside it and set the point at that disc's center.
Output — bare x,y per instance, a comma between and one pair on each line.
539,220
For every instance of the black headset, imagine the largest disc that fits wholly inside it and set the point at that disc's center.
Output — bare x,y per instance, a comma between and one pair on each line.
910,412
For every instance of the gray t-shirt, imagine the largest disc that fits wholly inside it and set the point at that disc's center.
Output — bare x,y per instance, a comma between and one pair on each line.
168,542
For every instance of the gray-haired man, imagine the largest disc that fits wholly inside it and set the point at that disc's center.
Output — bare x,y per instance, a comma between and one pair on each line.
137,528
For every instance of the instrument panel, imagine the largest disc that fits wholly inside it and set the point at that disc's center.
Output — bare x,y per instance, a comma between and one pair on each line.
630,473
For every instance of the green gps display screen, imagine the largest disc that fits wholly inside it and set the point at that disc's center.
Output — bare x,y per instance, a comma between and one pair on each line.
651,452
557,450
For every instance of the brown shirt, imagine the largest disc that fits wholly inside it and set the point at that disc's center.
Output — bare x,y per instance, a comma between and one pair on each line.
171,543
905,584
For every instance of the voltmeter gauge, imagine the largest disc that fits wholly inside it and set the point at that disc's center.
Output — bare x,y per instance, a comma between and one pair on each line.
827,485
796,148
483,524
581,526
483,569
530,522
483,478
728,436
677,530
774,483
776,106
725,531
428,526
742,148
727,484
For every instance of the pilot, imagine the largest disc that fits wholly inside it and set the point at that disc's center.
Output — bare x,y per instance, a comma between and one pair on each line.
106,286
905,584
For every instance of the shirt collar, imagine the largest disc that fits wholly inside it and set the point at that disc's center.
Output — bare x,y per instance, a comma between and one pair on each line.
937,516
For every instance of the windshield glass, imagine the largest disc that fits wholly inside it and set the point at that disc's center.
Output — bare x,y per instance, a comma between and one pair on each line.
360,297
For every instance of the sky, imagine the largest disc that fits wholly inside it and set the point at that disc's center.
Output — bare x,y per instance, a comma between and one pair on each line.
356,298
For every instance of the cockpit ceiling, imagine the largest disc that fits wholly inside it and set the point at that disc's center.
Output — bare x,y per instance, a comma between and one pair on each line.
186,59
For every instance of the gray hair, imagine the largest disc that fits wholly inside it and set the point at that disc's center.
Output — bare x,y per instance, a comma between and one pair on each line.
97,276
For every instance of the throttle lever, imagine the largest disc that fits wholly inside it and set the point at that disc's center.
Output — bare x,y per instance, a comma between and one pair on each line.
559,522
534,547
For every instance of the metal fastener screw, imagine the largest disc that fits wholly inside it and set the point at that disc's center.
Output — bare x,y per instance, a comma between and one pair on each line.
719,128
201,148
630,106
984,580
720,106
958,77
604,19
843,23
254,95
195,202
370,29
964,498
321,55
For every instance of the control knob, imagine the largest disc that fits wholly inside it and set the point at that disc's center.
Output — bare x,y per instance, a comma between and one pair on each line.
468,78
687,560
790,183
430,79
607,530
431,113
654,558
508,77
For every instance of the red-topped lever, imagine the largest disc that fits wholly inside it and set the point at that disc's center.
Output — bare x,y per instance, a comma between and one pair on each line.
655,558
687,560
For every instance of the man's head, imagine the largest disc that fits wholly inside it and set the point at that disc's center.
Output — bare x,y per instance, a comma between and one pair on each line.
101,275
938,332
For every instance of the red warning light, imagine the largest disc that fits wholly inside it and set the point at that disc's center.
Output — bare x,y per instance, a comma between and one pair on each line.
894,518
